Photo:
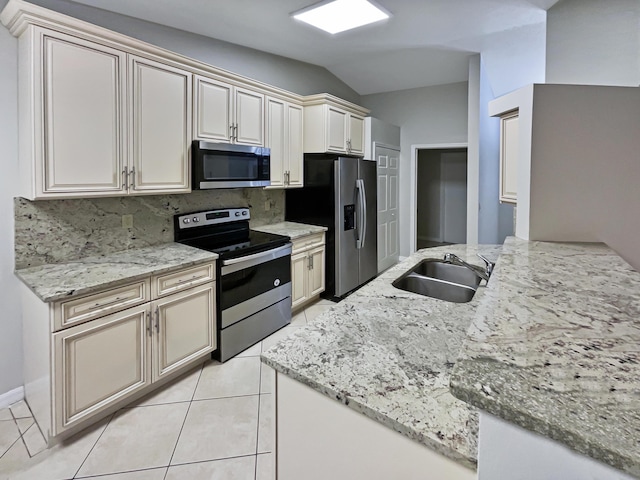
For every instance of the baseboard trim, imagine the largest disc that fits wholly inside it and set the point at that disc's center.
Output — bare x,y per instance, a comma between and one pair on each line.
11,397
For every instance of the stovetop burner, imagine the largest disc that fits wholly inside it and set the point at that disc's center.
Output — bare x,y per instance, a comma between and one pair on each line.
225,232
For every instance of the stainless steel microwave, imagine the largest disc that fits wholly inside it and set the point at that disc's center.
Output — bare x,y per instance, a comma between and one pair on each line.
224,165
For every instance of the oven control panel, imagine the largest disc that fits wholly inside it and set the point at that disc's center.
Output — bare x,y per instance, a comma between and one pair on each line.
213,217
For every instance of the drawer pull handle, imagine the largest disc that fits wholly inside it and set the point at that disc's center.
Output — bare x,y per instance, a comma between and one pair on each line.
117,299
182,280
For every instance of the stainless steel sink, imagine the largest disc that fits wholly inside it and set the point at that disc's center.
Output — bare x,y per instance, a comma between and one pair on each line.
449,272
438,279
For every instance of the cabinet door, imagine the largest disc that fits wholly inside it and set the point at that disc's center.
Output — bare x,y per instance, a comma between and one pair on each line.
295,157
184,328
249,117
99,363
336,130
83,94
276,140
356,135
213,110
299,278
161,119
316,273
509,132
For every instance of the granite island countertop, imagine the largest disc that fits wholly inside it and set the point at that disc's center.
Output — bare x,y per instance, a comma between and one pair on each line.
292,230
555,348
55,281
388,354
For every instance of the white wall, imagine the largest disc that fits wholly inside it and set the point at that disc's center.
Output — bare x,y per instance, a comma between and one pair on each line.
584,176
10,321
507,452
473,150
292,75
594,42
429,115
510,60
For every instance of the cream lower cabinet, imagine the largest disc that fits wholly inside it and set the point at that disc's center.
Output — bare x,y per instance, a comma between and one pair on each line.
108,348
284,135
183,330
307,269
99,363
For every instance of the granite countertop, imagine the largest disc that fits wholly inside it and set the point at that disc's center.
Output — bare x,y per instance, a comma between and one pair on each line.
388,354
291,229
555,348
53,282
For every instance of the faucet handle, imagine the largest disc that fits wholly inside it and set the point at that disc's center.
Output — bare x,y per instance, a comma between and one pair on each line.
489,264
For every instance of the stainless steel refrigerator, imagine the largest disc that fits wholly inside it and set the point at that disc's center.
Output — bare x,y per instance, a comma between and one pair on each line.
340,193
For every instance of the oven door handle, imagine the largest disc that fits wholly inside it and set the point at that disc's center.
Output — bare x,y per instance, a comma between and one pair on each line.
251,259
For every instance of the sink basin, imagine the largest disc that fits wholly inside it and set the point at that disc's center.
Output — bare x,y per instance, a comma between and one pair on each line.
435,288
436,268
436,278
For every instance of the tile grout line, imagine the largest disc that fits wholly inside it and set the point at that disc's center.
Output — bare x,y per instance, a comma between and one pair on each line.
106,475
255,466
21,437
233,457
11,446
111,417
183,422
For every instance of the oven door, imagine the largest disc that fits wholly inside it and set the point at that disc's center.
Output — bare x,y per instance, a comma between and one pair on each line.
254,282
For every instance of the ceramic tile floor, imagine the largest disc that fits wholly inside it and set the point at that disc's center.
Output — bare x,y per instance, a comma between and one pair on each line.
215,422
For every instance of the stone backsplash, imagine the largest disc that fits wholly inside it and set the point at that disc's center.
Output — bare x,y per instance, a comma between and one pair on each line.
55,231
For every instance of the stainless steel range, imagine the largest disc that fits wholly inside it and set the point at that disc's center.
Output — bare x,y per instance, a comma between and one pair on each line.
253,280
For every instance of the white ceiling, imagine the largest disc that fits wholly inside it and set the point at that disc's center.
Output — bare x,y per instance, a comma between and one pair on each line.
426,42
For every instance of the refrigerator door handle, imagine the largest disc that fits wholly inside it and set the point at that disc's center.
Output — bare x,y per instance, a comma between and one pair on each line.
361,218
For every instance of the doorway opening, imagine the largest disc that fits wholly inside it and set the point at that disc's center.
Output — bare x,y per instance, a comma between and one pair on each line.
441,196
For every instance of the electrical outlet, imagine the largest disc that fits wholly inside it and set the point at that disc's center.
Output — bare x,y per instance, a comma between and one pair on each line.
267,205
127,221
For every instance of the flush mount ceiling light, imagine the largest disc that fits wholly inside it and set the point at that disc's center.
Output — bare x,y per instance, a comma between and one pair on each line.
340,15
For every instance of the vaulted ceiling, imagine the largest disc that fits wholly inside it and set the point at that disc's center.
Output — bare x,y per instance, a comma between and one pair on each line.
425,42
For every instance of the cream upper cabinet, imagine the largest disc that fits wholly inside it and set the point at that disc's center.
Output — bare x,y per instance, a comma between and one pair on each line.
337,133
100,122
103,114
160,109
307,268
335,127
72,104
509,133
227,113
284,135
356,135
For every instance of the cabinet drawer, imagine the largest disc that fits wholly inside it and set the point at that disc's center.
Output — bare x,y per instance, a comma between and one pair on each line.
308,241
78,310
176,281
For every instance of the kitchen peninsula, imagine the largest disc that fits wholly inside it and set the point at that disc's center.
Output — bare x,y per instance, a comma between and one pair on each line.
390,355
554,349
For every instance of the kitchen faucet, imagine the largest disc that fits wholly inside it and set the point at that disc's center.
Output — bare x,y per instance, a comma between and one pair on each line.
483,273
